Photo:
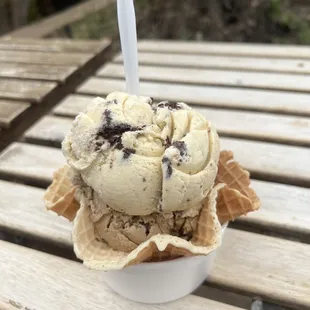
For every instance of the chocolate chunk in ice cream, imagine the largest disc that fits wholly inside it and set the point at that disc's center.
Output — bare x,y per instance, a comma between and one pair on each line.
115,146
170,105
167,162
127,152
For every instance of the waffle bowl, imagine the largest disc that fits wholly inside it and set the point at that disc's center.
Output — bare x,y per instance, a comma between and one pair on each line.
163,260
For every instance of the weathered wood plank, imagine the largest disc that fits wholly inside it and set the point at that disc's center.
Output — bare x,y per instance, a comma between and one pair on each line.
219,48
261,80
289,164
275,269
33,91
31,163
10,111
254,125
30,57
284,208
267,127
21,205
74,279
72,105
50,129
54,45
237,98
222,62
40,72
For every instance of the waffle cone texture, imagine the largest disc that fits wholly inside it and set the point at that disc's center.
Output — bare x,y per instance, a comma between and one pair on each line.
230,198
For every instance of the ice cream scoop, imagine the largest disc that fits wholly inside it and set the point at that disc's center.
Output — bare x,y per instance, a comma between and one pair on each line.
142,157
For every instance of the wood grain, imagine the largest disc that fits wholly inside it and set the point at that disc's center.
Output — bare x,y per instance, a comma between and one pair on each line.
33,91
268,127
72,105
53,45
45,58
84,289
31,163
40,72
222,62
219,48
280,163
261,80
50,129
21,205
254,125
10,111
275,269
284,208
237,98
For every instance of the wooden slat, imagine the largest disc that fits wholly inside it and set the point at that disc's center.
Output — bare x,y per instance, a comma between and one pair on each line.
64,284
40,72
260,100
53,45
289,164
50,129
287,129
219,48
262,80
25,89
32,163
223,62
72,105
254,125
254,264
284,208
30,57
23,211
10,111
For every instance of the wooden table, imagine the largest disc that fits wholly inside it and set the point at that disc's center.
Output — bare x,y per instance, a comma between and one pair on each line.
258,98
35,73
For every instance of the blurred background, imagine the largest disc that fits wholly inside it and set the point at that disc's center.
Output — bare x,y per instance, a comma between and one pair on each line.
266,21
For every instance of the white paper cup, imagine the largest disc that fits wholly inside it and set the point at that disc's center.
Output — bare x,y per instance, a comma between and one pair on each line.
161,282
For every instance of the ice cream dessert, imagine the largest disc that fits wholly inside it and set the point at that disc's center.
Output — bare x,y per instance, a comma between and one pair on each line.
146,181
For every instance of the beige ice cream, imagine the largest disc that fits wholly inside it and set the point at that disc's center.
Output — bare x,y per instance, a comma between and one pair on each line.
143,158
125,232
145,183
